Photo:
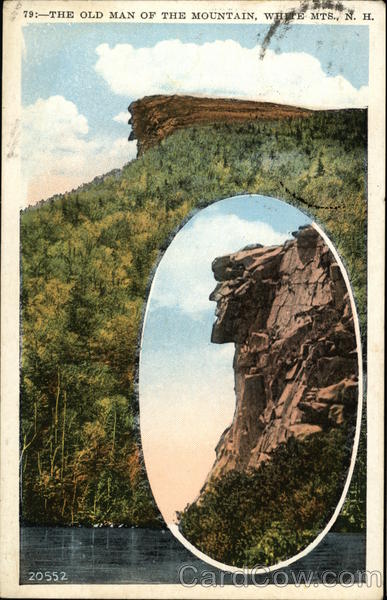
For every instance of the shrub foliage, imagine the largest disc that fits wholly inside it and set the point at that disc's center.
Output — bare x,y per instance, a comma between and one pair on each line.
271,513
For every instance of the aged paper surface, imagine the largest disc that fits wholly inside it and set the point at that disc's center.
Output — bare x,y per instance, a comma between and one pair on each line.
254,166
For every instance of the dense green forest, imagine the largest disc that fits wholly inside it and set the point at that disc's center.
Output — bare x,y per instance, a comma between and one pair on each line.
274,512
87,257
270,514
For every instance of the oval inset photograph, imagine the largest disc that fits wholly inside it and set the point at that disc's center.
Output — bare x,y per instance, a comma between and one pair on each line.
250,383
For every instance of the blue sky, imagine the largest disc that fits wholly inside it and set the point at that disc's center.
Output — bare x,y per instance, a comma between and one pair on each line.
78,80
60,59
185,379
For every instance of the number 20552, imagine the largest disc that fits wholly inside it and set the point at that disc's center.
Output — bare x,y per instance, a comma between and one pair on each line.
47,576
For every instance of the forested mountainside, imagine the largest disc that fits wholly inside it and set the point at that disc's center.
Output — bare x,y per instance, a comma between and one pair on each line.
87,257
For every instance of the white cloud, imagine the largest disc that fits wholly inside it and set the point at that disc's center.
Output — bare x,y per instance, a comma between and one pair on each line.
58,154
122,117
224,68
184,278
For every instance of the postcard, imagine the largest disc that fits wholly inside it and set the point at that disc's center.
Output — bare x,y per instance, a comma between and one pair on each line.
192,299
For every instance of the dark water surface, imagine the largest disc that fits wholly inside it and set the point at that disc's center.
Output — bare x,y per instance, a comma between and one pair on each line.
114,555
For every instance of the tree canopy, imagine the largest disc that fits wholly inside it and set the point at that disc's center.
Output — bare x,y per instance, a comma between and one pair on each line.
87,257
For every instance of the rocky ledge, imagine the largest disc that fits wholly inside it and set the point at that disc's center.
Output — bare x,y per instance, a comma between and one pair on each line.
287,310
155,117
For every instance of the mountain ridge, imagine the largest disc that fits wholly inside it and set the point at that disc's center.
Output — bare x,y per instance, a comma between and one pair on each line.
153,118
87,258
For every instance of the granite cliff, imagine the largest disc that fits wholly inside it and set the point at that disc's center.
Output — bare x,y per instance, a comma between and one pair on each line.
287,310
155,117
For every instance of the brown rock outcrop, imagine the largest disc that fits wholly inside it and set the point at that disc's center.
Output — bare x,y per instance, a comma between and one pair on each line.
287,310
155,117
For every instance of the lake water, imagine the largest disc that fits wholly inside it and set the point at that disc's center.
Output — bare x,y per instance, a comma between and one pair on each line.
119,555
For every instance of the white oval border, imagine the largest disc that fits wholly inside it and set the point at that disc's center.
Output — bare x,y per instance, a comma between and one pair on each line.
267,569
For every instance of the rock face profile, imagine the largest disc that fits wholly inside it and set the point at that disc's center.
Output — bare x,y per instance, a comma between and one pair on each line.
155,117
287,310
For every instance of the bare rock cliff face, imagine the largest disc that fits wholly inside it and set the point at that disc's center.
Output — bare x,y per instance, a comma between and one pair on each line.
155,117
287,310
